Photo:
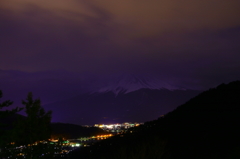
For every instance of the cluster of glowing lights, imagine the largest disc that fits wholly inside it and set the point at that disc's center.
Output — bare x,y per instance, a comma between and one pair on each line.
64,143
116,126
76,145
51,141
102,136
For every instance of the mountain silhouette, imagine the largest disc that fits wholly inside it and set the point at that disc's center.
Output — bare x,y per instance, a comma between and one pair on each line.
106,107
207,126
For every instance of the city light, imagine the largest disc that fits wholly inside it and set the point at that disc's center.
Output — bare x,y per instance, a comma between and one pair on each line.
116,128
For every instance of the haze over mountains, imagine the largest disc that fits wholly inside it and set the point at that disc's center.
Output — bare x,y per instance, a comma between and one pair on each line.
88,99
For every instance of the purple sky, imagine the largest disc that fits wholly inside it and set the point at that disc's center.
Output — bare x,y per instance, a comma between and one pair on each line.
183,40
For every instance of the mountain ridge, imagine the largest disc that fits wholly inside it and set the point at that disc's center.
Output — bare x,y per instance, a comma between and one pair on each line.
206,126
137,106
128,83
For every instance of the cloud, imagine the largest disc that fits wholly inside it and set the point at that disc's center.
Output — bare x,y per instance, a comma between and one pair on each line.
133,19
176,39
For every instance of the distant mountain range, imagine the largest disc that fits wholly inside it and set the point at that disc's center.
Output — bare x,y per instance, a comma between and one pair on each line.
137,106
125,83
89,99
205,127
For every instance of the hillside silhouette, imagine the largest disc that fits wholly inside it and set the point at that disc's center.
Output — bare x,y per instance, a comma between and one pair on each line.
72,131
66,130
207,126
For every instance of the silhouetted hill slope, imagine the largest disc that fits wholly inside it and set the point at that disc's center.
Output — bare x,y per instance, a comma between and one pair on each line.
66,130
207,124
72,131
205,127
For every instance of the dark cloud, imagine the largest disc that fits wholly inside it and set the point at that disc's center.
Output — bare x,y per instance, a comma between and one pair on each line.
183,41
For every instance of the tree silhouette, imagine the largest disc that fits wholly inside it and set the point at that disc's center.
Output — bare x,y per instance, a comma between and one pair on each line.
33,129
37,123
5,131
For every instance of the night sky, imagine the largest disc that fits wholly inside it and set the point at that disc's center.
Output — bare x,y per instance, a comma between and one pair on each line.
196,43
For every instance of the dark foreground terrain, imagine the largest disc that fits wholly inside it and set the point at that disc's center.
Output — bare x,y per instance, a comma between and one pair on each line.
205,127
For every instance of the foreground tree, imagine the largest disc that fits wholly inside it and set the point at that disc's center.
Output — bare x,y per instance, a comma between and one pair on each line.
38,121
5,127
33,129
